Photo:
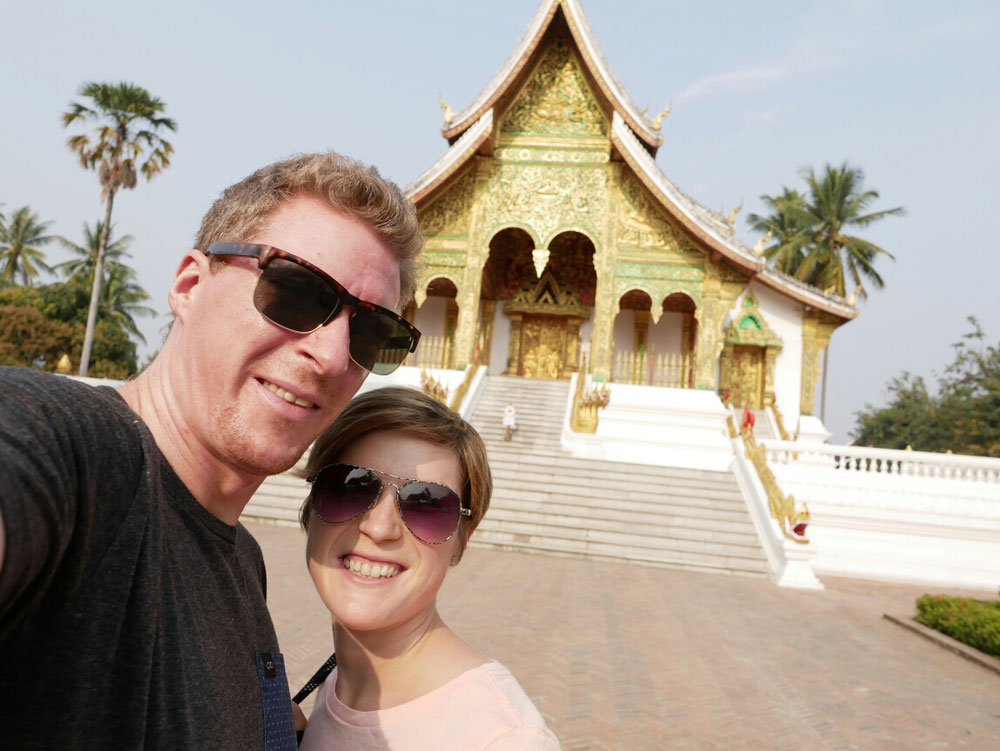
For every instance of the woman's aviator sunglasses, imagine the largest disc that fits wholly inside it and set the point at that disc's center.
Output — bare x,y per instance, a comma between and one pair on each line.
298,296
342,492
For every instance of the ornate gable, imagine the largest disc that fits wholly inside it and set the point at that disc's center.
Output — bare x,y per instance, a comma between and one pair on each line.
556,100
547,297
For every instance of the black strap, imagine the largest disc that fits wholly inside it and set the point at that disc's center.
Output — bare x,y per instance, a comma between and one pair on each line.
317,679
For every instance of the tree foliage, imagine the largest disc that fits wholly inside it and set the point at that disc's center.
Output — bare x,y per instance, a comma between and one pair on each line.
129,121
963,416
39,324
121,295
810,232
21,236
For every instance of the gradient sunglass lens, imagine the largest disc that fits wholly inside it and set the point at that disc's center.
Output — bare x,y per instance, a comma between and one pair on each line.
430,510
342,492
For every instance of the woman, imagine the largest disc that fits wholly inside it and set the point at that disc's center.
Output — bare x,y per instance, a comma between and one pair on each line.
399,482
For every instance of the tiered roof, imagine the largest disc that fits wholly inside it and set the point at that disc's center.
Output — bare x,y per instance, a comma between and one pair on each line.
635,139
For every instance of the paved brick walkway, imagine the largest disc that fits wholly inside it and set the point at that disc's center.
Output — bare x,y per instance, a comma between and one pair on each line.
624,657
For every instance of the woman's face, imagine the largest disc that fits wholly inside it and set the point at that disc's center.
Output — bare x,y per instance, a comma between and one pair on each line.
403,573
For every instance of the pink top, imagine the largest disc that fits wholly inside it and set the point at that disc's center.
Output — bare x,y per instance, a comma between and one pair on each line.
483,708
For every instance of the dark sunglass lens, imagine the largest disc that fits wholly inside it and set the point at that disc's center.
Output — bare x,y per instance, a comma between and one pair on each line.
378,343
342,491
431,511
294,297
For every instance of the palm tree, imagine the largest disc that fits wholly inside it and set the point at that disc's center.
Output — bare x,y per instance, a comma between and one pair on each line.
20,237
86,255
786,224
122,298
826,255
128,120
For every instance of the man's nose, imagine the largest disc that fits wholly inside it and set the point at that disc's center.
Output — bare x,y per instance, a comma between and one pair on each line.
329,346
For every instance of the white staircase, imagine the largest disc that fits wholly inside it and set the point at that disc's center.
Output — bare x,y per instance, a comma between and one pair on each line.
545,500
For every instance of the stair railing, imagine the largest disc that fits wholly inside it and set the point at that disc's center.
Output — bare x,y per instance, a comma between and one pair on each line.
470,371
791,522
583,416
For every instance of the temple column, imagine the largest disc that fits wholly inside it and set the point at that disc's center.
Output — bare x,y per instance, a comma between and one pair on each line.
770,355
816,330
571,355
710,316
514,349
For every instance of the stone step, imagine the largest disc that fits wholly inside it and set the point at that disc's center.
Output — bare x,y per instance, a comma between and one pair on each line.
629,523
688,560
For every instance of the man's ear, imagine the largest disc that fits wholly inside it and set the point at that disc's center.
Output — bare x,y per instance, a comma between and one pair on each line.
192,271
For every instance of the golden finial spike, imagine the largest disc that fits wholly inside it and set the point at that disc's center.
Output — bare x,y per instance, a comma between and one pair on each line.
449,116
658,120
758,247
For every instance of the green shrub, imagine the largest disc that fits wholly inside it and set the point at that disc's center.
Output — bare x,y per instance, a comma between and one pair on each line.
973,622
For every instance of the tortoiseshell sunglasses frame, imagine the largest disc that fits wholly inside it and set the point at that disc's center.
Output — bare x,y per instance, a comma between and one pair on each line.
264,254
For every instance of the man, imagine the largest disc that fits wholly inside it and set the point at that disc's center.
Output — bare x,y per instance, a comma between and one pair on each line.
132,610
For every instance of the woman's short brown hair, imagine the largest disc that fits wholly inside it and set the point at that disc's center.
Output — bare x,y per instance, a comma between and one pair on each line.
408,410
347,185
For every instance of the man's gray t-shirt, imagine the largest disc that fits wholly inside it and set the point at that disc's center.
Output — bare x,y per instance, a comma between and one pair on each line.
130,617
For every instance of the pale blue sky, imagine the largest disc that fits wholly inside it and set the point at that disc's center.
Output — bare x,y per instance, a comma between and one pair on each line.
910,91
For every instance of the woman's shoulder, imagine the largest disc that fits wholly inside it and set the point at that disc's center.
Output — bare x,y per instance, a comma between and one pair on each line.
519,724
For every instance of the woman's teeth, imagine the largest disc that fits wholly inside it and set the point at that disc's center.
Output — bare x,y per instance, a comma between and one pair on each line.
370,570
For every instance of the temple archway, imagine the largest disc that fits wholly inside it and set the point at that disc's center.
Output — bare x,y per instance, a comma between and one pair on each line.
532,303
436,316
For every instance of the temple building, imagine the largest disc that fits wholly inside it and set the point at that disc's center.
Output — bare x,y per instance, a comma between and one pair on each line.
553,238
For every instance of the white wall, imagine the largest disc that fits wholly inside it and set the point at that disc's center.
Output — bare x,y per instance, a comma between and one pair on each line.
665,337
624,330
501,341
430,316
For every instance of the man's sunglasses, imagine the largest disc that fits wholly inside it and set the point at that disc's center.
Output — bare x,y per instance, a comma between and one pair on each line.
298,296
342,492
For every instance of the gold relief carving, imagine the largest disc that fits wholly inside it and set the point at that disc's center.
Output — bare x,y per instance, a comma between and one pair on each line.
658,290
547,198
747,379
549,298
816,330
543,341
450,215
443,258
728,274
641,223
651,271
556,100
550,156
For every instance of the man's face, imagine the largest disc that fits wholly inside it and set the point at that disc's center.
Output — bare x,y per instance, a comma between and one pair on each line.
255,395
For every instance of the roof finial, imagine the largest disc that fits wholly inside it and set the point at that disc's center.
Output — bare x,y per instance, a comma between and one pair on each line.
657,121
758,247
449,116
852,299
731,219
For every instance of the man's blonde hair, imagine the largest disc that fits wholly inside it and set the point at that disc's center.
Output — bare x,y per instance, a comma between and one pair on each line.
400,409
349,186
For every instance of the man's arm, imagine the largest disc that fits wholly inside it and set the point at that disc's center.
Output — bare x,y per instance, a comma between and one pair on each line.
1,542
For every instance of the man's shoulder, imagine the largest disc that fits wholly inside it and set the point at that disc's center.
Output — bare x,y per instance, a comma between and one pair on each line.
39,383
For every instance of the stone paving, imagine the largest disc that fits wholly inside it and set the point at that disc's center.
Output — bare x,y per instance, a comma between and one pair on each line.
626,657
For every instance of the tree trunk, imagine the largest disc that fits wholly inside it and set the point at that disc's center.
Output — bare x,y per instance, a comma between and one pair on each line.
95,292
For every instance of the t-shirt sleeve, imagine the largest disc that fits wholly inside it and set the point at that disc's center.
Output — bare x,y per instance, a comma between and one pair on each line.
49,430
525,739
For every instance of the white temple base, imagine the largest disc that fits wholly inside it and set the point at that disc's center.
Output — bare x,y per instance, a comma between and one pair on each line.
657,426
812,430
